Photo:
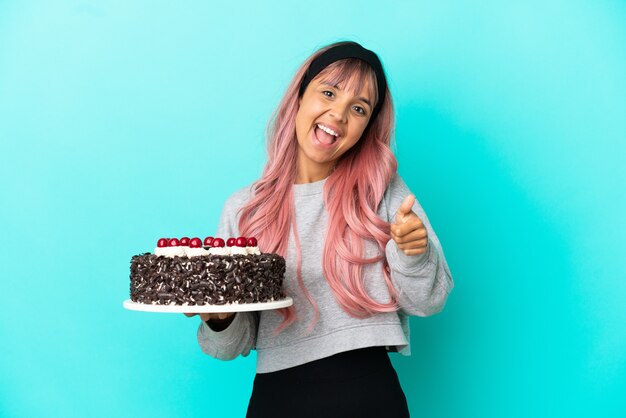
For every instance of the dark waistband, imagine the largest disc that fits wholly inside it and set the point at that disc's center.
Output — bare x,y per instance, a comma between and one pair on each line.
341,366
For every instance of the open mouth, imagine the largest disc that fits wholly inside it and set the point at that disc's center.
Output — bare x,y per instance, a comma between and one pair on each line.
325,135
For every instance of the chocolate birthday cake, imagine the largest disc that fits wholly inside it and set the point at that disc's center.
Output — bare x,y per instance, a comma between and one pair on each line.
186,272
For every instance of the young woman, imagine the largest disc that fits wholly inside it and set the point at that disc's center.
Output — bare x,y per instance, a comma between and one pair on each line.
361,254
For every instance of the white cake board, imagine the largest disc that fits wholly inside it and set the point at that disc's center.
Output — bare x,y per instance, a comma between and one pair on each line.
229,307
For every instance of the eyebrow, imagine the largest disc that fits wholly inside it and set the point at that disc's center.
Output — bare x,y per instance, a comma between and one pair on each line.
363,99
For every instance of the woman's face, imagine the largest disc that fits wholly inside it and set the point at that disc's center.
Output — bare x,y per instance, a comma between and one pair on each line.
330,120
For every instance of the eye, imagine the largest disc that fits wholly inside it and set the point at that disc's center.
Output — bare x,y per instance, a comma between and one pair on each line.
360,110
330,93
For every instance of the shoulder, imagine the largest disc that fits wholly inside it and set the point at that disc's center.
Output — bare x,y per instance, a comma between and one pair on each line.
396,189
228,225
239,198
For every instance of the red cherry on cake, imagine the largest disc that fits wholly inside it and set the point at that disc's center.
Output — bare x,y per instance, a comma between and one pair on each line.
184,241
218,242
252,242
195,243
208,241
162,242
241,242
231,242
173,242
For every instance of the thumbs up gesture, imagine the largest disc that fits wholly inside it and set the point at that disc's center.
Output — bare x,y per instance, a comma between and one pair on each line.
408,230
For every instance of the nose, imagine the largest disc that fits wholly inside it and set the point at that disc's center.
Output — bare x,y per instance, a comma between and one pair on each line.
339,111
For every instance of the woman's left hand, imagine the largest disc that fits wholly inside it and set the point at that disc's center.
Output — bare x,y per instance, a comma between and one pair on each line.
408,230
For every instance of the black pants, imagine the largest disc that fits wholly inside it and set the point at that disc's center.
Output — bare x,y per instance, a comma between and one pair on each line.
354,384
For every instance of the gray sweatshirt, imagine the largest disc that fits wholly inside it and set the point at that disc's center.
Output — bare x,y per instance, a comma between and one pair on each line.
422,281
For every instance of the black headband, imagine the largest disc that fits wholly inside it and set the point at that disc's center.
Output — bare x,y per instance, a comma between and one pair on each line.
348,50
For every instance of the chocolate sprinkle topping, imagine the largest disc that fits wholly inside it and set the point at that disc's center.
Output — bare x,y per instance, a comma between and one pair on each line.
207,279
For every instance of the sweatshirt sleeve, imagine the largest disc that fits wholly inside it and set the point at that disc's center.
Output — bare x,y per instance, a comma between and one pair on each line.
422,281
240,336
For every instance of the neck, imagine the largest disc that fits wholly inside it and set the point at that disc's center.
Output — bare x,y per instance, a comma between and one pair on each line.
311,177
309,173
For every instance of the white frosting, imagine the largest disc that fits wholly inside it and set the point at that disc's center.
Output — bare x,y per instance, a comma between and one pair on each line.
219,251
253,250
238,250
170,251
195,252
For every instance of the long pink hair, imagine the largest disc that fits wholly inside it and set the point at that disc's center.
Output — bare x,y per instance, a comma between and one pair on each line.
352,194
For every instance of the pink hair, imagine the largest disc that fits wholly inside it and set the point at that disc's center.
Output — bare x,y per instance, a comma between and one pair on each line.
352,194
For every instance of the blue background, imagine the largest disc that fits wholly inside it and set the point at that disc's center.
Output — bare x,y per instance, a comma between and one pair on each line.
121,122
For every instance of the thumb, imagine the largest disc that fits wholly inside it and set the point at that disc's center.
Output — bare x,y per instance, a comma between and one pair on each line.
405,208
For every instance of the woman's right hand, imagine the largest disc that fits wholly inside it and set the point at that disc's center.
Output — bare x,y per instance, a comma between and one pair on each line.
218,317
216,321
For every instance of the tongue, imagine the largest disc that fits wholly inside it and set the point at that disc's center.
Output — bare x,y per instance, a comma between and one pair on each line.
325,138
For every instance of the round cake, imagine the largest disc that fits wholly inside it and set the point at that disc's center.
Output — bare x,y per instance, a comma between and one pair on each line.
186,272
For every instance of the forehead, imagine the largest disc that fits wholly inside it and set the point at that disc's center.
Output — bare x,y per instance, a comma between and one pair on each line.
348,87
363,95
355,79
